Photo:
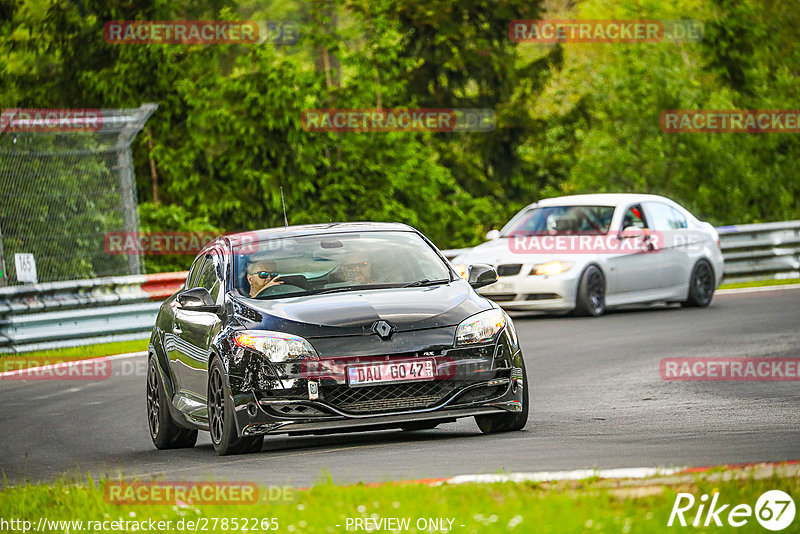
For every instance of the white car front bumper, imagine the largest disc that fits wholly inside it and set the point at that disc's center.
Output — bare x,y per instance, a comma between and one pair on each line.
524,292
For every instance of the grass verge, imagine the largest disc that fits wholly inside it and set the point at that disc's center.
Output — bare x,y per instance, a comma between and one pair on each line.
761,283
636,506
24,360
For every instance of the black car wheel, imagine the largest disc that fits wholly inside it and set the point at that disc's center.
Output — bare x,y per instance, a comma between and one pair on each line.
220,417
164,432
701,285
591,299
507,422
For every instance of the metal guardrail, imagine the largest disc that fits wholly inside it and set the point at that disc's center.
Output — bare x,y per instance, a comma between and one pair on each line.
81,312
62,314
768,251
117,322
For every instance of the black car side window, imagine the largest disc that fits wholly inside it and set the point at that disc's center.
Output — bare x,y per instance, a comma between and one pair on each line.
193,271
208,275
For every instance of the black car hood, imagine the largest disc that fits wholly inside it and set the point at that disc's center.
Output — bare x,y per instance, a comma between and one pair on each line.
355,312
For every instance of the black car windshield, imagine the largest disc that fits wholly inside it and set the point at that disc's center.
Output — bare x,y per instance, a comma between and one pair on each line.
332,263
562,220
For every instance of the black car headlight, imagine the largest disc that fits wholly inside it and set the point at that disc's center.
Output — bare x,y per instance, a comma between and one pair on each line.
276,346
481,327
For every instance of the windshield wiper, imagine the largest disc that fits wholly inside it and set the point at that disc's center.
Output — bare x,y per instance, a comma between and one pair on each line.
428,282
351,288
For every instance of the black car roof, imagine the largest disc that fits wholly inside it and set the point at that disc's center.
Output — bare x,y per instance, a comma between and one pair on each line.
314,229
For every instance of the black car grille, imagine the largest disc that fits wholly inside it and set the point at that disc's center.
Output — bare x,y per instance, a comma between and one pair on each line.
410,396
414,395
298,410
509,269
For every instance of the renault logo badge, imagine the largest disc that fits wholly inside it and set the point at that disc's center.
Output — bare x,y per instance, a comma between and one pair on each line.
383,329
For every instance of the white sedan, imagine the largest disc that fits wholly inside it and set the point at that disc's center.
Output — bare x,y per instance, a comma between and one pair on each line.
589,253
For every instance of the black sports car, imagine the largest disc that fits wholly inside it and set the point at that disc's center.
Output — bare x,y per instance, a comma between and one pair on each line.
329,328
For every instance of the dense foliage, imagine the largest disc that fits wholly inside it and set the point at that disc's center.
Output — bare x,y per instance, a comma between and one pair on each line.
572,117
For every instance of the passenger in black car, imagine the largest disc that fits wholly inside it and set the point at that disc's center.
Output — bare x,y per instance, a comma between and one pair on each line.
356,270
363,270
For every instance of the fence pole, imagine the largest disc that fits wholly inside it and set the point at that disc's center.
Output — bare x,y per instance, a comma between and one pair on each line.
3,272
130,215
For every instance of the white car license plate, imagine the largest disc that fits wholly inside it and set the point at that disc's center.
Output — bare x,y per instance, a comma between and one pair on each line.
499,287
382,373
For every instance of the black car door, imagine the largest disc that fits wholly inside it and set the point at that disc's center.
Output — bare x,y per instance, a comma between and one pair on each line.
193,331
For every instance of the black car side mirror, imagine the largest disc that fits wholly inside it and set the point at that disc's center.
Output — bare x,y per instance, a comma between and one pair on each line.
198,299
480,275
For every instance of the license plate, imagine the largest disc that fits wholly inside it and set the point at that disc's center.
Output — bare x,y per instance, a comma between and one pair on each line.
501,287
387,372
497,287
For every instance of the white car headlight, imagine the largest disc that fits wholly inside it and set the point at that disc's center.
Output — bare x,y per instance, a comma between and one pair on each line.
480,327
551,268
276,346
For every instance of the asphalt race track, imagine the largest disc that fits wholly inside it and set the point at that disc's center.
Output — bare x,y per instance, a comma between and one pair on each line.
598,401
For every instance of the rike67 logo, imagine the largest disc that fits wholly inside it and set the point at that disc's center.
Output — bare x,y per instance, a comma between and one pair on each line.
774,510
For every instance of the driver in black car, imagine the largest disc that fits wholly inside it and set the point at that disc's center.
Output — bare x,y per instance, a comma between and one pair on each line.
261,275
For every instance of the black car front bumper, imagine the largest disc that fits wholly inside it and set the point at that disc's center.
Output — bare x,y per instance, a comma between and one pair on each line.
276,399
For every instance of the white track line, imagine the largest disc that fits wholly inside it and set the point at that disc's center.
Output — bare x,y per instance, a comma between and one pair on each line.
578,474
65,364
621,473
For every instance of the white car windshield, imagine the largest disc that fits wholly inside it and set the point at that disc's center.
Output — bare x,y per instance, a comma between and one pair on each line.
562,220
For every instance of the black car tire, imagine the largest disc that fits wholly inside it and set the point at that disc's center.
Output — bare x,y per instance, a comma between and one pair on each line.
510,421
591,301
701,285
222,426
164,432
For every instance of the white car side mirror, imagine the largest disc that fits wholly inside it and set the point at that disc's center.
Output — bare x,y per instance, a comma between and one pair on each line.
630,232
491,235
